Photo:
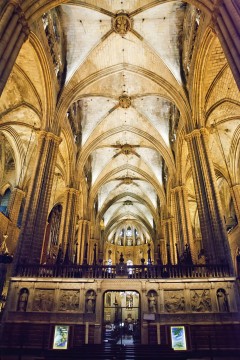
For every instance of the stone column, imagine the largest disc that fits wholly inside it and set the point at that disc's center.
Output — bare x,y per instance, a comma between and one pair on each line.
14,204
82,298
226,19
169,239
99,313
235,192
14,32
162,247
3,155
79,241
92,249
101,243
214,236
134,236
83,238
37,202
68,221
182,221
124,237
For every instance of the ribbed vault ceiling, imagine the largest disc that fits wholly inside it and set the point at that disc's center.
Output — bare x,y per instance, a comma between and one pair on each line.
124,146
125,65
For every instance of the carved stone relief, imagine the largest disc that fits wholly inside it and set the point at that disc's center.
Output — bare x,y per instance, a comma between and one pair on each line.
124,101
174,301
52,28
121,24
43,300
69,300
201,300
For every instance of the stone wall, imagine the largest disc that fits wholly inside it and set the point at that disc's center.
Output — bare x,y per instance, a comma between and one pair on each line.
43,303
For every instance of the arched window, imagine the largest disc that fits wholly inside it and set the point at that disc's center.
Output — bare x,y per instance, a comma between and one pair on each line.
129,231
50,249
4,200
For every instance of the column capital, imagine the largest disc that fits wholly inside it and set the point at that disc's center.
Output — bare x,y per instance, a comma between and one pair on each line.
178,188
18,11
25,30
84,221
72,191
197,133
20,191
235,186
49,136
167,220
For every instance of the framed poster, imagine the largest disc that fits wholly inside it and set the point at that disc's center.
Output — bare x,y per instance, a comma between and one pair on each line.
60,339
178,338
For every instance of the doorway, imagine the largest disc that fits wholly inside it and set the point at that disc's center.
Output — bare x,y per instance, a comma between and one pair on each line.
121,318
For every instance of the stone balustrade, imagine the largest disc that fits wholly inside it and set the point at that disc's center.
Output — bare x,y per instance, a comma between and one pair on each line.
130,272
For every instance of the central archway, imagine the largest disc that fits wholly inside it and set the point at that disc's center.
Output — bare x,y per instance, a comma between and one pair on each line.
121,317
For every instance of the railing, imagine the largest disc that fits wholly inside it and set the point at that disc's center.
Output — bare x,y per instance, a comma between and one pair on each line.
121,270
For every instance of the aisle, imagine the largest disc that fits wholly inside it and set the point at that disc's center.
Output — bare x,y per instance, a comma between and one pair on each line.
126,340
